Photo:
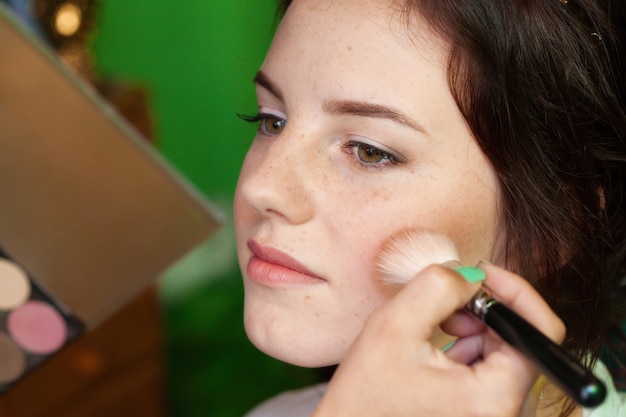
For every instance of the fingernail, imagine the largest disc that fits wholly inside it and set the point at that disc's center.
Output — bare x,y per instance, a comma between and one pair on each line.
448,346
471,274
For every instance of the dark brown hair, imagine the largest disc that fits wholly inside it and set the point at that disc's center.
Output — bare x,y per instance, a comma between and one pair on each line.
540,85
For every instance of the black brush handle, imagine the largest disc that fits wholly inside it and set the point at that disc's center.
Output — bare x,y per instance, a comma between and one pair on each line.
561,368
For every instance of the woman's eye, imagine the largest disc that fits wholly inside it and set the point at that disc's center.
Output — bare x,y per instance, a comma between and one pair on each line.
269,124
371,155
272,125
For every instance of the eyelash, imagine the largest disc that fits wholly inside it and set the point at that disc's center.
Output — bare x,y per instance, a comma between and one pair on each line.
350,147
264,118
388,158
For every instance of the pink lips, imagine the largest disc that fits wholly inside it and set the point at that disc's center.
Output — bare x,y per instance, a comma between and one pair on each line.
274,268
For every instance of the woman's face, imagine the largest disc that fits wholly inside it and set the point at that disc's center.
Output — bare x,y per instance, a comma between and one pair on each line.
360,138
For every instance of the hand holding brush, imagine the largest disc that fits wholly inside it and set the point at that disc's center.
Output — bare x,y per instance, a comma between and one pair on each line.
393,369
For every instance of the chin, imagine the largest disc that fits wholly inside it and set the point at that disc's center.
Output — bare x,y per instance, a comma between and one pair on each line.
305,361
298,347
290,355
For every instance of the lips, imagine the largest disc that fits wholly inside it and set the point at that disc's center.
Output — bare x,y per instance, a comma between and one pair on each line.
272,267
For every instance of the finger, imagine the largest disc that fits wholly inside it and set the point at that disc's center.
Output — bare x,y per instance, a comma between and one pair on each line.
521,297
430,298
467,350
462,324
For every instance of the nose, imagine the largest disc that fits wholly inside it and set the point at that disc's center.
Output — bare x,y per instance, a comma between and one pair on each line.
277,180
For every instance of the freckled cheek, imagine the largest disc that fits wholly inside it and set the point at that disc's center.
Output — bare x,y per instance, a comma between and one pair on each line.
473,226
359,229
468,218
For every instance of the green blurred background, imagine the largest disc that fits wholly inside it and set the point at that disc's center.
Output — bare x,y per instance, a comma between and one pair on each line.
196,59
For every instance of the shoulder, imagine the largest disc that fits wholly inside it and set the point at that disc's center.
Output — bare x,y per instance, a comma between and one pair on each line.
296,403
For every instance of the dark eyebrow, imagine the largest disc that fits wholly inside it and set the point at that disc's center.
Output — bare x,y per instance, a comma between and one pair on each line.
360,108
261,79
350,107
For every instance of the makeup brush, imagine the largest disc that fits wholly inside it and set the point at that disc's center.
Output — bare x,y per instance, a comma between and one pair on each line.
404,255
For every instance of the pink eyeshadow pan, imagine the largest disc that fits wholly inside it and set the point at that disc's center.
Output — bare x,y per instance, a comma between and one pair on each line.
33,325
37,327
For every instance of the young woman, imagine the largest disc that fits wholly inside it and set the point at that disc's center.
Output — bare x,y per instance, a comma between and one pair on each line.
496,123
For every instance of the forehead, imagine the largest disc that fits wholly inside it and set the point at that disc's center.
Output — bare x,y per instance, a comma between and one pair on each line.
361,49
357,22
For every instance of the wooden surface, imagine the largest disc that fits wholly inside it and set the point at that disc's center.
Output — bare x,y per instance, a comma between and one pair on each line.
115,370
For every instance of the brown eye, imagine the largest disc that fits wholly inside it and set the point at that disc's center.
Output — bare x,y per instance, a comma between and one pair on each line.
371,155
269,124
272,125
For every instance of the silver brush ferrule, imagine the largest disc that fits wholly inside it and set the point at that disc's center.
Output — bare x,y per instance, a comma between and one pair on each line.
480,303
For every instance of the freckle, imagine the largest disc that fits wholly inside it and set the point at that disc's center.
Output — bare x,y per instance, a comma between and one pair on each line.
308,297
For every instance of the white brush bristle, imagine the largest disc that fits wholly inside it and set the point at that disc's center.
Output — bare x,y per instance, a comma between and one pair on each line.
406,254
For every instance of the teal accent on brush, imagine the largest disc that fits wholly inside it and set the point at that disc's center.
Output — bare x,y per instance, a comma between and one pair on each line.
448,346
471,274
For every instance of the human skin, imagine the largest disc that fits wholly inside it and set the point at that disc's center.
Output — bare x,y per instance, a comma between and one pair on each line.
360,138
393,370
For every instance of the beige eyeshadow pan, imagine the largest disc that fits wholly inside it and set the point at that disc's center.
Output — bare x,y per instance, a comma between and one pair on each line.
14,285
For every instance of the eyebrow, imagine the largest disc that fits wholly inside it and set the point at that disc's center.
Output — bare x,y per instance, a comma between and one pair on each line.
360,108
348,107
263,80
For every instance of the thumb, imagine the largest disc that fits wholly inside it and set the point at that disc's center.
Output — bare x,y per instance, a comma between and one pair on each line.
433,295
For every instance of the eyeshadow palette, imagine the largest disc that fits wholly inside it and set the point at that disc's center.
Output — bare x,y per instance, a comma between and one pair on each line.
90,213
33,325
